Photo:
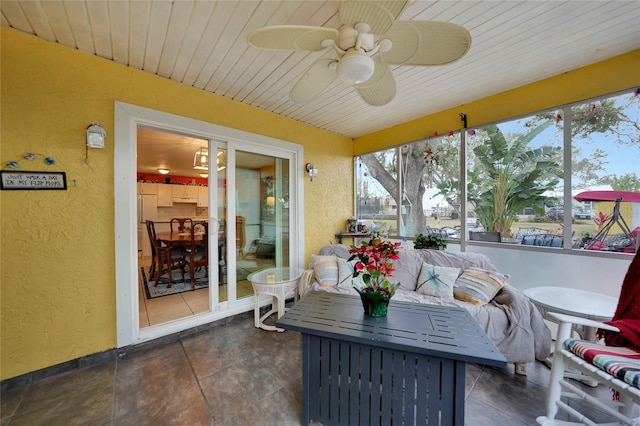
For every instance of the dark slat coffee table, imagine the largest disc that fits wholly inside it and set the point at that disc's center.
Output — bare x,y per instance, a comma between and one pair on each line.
405,368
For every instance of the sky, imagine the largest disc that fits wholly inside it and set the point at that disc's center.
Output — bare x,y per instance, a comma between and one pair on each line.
621,158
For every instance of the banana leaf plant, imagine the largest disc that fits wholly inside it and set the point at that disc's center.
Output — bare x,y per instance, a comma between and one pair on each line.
509,176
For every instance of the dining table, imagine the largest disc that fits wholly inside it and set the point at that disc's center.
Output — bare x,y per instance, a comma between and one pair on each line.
179,238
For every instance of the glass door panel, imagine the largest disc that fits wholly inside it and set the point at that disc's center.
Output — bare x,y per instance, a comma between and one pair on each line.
262,216
169,186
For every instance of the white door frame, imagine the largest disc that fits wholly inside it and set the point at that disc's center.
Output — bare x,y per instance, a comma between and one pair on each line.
127,119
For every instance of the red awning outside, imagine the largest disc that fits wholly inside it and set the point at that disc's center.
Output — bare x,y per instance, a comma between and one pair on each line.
628,196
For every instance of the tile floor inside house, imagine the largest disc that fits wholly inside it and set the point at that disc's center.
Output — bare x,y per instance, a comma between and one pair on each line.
232,374
168,308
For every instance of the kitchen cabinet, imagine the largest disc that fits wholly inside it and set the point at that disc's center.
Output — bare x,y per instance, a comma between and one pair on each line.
184,193
147,210
165,195
163,227
203,196
148,188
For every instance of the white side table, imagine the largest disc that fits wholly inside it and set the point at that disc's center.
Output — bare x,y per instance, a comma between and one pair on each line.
578,303
277,282
570,301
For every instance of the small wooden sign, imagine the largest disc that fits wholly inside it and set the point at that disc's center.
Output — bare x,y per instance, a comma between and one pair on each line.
13,179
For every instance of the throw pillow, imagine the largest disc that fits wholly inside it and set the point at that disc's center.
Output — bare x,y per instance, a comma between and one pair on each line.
478,286
437,281
325,269
407,269
345,275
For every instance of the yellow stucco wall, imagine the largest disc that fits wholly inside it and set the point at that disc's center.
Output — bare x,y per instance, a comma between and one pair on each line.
57,247
613,75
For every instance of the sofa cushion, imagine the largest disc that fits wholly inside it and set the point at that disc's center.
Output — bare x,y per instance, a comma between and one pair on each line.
456,260
338,250
437,281
325,269
345,275
407,268
478,286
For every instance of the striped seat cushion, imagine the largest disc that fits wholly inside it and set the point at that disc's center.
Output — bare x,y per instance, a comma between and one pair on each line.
620,362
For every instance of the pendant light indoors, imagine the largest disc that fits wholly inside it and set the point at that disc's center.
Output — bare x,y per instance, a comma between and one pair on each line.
201,159
221,160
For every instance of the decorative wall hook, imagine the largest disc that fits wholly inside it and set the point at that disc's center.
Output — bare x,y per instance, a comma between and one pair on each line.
463,117
30,156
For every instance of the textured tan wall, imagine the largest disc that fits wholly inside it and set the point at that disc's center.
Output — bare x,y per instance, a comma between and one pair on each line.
57,247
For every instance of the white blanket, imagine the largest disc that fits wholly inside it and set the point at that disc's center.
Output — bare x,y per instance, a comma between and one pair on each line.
510,320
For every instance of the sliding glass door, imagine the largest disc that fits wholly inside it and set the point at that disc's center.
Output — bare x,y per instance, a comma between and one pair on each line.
260,217
248,197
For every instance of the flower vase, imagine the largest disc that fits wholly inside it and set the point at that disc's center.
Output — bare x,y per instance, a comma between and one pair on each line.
375,303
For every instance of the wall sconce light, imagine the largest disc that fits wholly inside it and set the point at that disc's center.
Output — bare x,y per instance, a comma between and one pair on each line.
163,171
95,139
201,159
96,136
204,175
271,201
313,171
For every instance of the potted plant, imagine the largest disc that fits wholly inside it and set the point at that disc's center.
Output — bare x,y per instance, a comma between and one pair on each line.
431,241
374,264
585,238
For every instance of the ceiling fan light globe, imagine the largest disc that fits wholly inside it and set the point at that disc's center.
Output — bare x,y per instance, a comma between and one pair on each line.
355,67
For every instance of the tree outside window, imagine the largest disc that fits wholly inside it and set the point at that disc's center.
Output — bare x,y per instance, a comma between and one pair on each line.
516,174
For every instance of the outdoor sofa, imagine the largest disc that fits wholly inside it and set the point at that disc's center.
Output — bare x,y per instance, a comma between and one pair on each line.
502,311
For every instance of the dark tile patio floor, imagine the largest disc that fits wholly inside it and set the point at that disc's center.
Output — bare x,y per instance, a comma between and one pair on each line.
231,374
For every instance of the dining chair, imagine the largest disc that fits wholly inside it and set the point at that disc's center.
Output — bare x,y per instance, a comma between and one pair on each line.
164,258
181,224
197,255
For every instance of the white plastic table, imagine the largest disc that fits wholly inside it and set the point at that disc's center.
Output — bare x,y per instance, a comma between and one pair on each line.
578,303
571,301
277,282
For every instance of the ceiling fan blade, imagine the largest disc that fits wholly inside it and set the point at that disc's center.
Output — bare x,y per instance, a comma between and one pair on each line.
313,82
291,37
380,15
426,43
380,89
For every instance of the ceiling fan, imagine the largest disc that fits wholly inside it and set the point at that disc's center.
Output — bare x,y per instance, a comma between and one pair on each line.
369,40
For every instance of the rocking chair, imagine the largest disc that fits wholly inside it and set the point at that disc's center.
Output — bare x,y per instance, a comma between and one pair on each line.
611,366
615,364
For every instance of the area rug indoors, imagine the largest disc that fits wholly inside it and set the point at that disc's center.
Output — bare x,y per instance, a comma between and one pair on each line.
177,285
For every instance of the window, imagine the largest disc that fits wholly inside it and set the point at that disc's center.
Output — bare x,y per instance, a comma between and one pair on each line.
605,144
377,189
516,179
415,205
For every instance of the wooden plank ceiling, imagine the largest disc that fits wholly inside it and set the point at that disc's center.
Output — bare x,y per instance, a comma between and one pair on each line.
203,44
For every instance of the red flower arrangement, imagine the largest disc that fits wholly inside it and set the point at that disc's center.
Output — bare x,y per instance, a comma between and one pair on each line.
374,262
